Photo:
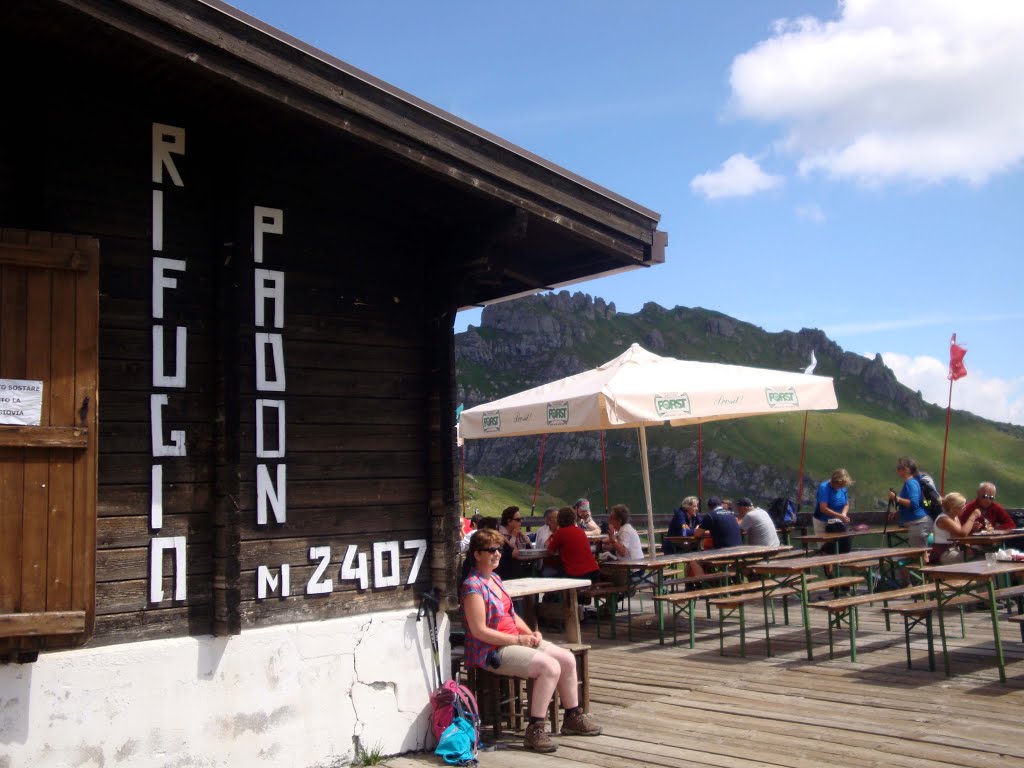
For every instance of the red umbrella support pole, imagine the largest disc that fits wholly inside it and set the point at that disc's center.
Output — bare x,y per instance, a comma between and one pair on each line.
604,473
700,468
800,476
540,463
463,479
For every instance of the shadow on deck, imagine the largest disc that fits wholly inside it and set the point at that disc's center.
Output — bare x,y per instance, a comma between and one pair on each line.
677,707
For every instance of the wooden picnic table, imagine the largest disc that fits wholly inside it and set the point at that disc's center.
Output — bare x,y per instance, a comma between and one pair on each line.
980,577
792,574
737,555
985,539
529,588
899,534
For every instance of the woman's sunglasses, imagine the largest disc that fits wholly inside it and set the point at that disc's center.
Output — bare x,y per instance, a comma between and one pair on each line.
492,550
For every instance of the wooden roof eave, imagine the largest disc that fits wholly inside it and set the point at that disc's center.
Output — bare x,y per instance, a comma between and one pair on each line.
226,42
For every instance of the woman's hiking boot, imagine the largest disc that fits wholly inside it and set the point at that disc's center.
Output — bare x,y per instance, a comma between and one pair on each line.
579,724
537,738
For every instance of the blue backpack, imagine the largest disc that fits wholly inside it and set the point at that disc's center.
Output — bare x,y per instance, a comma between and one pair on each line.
782,511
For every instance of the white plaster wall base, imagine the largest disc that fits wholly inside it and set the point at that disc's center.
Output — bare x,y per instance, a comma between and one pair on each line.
292,696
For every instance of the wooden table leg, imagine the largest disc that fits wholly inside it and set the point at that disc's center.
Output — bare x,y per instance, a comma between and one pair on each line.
571,616
994,606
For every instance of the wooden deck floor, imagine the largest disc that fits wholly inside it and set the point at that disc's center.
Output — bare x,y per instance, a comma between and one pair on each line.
676,707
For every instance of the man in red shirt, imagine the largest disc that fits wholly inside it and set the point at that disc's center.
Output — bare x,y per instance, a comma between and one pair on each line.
992,514
572,546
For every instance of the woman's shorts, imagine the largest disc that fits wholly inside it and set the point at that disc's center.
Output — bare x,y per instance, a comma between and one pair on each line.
515,659
917,531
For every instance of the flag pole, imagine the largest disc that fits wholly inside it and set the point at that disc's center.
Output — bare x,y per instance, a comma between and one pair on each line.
945,440
956,371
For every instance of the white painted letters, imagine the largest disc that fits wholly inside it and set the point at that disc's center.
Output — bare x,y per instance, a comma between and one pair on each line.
265,491
160,378
269,221
276,344
315,586
269,285
262,452
177,446
167,141
351,571
161,281
156,504
265,581
156,567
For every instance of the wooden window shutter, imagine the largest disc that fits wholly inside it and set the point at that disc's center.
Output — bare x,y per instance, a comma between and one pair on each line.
49,328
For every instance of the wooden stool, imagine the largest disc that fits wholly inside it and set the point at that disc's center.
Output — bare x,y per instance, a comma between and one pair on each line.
505,701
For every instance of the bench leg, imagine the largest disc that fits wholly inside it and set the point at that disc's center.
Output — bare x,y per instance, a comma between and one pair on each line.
721,630
764,601
832,620
853,634
693,627
931,643
743,632
906,637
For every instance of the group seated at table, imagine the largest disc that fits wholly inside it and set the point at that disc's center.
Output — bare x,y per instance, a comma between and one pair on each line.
499,640
720,524
569,550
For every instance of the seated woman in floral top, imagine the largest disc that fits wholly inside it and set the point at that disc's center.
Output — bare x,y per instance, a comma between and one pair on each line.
499,640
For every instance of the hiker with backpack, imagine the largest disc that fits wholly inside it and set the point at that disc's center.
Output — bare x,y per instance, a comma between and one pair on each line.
912,515
499,640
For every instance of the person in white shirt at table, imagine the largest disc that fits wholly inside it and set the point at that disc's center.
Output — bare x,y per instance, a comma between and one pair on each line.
540,541
757,523
623,544
623,540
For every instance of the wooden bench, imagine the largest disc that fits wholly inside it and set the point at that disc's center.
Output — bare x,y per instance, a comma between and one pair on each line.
504,701
685,602
606,596
680,581
914,614
845,609
1019,619
728,605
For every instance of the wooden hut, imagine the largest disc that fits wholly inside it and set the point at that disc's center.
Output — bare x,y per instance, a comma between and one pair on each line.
229,270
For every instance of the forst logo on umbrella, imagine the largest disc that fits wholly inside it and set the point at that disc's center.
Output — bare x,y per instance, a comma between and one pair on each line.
558,414
782,397
492,421
670,406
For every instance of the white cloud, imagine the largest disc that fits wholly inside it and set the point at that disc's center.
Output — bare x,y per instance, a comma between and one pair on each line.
811,212
992,398
739,176
894,89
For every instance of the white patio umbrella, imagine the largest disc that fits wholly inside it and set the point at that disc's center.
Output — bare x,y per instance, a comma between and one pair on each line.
641,389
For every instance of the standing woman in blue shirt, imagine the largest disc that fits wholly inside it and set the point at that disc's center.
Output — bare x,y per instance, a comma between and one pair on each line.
832,502
912,515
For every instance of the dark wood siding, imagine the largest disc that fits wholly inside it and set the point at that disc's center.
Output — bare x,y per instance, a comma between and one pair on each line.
356,343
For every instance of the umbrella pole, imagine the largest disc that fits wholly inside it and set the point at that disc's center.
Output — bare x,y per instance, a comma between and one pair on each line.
700,469
647,491
540,463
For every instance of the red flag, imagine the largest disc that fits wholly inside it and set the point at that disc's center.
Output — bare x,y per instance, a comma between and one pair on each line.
956,360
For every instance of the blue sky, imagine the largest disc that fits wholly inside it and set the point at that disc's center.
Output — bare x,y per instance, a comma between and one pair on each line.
816,164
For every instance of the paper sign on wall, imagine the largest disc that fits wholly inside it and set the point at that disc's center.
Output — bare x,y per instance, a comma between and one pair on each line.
21,402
